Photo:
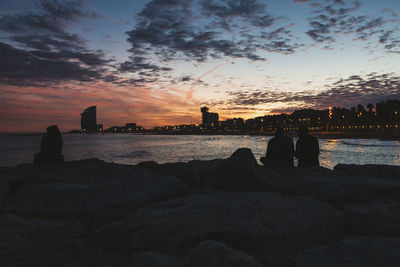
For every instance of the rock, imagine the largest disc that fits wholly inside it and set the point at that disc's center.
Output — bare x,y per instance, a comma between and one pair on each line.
244,221
180,170
215,254
367,251
195,173
34,242
152,259
332,187
369,170
375,217
93,191
4,191
240,172
152,165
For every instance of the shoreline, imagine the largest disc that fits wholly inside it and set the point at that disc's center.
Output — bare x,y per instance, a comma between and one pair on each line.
384,136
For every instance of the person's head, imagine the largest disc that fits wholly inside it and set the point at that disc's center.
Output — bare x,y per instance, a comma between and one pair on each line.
303,130
54,133
279,132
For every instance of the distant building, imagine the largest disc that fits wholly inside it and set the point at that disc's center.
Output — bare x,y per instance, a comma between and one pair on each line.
209,120
88,120
130,127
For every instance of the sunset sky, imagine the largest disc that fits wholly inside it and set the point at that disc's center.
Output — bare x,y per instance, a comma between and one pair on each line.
157,62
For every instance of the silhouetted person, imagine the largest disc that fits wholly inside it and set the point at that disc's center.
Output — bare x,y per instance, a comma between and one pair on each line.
307,148
280,150
50,148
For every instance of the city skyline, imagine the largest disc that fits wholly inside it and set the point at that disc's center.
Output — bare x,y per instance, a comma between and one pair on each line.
155,62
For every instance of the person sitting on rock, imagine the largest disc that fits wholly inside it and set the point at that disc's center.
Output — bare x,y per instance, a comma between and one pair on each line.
50,148
280,150
307,149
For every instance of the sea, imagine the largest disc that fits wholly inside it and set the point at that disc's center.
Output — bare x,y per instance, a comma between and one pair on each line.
132,148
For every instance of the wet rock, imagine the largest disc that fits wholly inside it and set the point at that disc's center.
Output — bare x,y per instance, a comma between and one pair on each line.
241,173
215,254
375,217
245,221
34,242
369,170
368,251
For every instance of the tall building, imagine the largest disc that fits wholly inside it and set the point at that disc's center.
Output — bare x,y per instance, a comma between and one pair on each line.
209,120
88,120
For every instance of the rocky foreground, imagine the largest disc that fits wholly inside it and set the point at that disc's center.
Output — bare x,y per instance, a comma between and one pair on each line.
229,212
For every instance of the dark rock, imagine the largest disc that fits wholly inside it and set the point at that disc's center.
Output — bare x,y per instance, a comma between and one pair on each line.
369,170
329,186
195,173
244,221
376,217
4,190
215,254
368,251
94,191
152,259
240,172
34,242
152,165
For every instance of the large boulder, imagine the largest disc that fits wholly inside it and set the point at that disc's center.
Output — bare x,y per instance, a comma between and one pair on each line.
152,259
35,242
370,251
215,254
195,173
4,190
369,170
245,221
93,191
375,217
330,186
240,172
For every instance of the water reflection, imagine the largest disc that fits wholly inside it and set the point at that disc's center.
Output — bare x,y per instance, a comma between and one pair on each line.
326,148
131,149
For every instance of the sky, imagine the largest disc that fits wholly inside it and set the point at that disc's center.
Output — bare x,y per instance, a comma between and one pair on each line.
156,62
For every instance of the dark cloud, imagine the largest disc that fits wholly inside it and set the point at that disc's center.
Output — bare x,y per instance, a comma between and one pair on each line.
39,51
337,17
28,68
344,92
204,29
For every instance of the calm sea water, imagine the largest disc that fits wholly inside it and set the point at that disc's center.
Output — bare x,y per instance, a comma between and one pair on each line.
131,149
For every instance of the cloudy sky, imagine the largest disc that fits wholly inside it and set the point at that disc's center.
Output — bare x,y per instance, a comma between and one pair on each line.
157,62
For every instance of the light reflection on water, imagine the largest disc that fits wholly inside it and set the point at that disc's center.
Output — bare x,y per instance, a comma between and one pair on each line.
131,149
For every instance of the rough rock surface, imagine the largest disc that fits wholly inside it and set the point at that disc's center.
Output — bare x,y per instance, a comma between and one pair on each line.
225,212
215,254
30,242
152,259
369,170
336,188
375,217
370,251
94,191
245,221
240,172
194,173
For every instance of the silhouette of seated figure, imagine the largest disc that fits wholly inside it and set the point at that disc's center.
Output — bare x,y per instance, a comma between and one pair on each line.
50,148
307,148
280,151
